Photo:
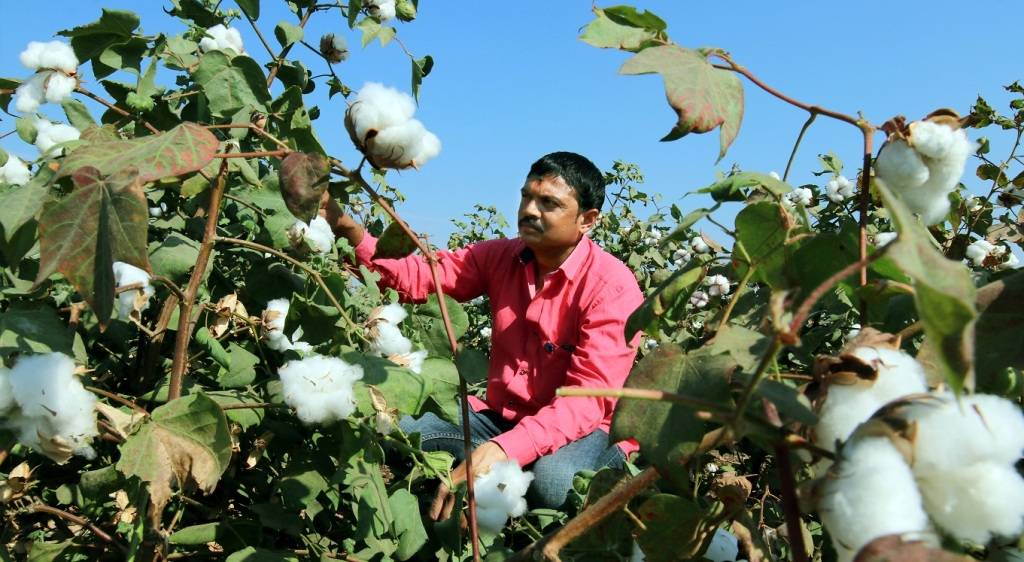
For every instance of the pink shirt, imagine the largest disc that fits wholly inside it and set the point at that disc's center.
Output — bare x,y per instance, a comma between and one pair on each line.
568,332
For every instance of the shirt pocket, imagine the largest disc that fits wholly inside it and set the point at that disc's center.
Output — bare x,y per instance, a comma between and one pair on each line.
550,374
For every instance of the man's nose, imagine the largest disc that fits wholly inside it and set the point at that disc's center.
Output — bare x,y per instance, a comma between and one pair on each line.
529,209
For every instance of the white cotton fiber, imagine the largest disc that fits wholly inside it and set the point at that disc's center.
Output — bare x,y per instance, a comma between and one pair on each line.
718,285
976,502
378,107
978,250
870,493
275,314
6,394
699,246
52,403
847,406
381,125
699,299
52,54
317,235
799,196
15,171
416,359
883,238
320,388
59,86
50,134
500,495
381,9
30,94
274,317
221,38
130,301
934,140
900,166
393,313
839,189
389,341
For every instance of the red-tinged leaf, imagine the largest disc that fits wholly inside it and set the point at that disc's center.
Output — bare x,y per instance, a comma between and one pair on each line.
303,181
81,235
703,96
182,150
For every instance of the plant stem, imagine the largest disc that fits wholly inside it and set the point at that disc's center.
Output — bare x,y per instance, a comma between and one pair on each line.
258,154
547,549
118,399
865,201
266,45
184,334
309,271
735,297
80,89
284,52
81,521
799,138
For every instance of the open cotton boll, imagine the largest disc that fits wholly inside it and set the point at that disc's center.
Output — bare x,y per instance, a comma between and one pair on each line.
393,313
136,300
15,171
976,502
316,235
53,403
900,166
847,406
7,401
883,238
50,134
389,341
500,494
932,207
799,196
698,245
952,433
220,37
839,189
415,360
30,94
390,108
978,250
381,9
718,285
320,388
275,315
51,54
699,299
934,140
59,86
870,493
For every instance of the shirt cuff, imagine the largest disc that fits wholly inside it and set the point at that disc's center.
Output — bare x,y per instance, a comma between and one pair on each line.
366,248
518,446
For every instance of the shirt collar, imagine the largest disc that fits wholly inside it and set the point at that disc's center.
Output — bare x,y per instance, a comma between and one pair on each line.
572,265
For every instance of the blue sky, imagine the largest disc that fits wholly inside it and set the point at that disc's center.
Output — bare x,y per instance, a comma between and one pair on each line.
512,82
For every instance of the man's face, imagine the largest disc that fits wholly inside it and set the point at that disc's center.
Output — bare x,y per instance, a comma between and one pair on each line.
549,215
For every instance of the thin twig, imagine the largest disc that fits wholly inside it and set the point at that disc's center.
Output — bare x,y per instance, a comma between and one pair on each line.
80,521
258,154
259,34
119,399
284,52
796,145
80,89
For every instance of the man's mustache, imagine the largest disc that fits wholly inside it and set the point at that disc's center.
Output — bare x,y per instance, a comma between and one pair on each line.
531,222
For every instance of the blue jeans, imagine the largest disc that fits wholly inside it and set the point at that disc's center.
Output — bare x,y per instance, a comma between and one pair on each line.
553,473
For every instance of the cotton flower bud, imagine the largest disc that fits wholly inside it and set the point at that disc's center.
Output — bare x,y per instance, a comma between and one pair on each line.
699,299
381,126
405,10
718,285
500,494
333,48
699,245
839,189
800,196
320,388
221,38
383,10
54,55
15,171
132,302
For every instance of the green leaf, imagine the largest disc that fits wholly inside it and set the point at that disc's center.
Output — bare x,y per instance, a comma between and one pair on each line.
682,230
243,368
628,15
606,33
174,256
9,85
394,243
184,149
703,96
35,328
63,551
303,180
762,230
184,440
402,388
731,188
26,128
142,98
251,8
373,509
20,205
300,485
100,482
373,30
408,524
114,26
673,292
745,346
103,220
125,56
473,365
820,257
944,294
232,534
669,433
420,69
999,334
253,554
206,340
435,338
677,528
230,84
287,33
78,114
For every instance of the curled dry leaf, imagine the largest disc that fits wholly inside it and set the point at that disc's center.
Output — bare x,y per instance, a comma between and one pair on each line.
123,423
895,547
258,447
126,513
19,480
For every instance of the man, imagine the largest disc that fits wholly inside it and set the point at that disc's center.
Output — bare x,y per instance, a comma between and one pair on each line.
559,304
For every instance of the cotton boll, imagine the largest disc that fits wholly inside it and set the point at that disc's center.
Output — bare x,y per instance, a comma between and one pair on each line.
839,189
427,147
389,341
32,56
699,245
394,107
870,493
932,139
900,166
7,401
320,388
724,547
977,428
500,494
220,37
381,9
799,196
52,54
976,502
883,238
402,146
30,94
683,255
275,315
393,313
50,134
899,374
978,250
317,235
416,360
59,86
699,299
234,40
136,300
53,403
207,44
718,285
15,171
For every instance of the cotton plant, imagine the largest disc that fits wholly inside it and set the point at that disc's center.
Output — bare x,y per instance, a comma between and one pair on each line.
15,171
381,125
45,404
500,494
222,38
653,237
923,162
383,10
386,339
50,134
273,320
699,245
683,254
800,196
131,302
320,388
316,236
334,48
839,189
55,66
699,299
718,285
982,253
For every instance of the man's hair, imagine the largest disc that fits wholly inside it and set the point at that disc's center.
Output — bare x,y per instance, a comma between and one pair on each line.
578,172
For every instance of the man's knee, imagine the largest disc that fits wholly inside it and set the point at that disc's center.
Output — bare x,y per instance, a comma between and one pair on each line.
552,481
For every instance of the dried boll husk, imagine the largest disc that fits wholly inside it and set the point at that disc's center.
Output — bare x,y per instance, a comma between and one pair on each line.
303,179
333,48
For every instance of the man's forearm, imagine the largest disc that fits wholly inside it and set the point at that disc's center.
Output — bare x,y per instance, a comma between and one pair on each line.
343,225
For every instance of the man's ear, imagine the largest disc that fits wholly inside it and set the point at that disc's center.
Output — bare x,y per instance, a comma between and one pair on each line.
588,219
